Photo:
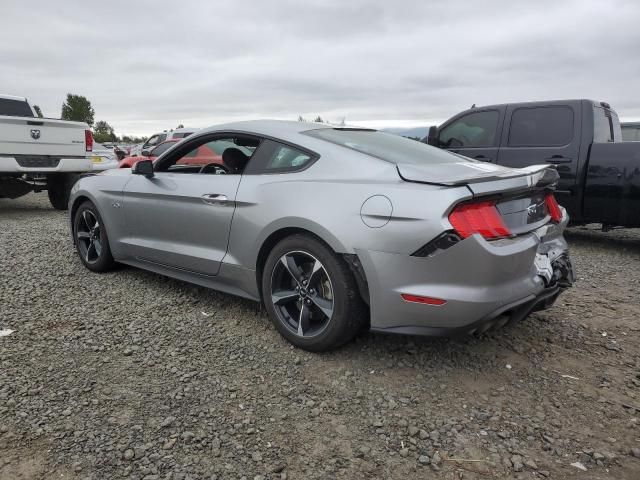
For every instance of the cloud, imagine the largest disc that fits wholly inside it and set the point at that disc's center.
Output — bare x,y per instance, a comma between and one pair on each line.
149,65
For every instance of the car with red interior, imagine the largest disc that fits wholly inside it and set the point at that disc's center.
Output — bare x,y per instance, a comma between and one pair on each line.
200,156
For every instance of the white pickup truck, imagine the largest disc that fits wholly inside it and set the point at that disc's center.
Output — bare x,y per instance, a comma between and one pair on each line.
39,154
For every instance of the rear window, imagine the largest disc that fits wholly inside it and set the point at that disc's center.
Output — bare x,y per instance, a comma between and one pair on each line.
541,127
385,146
182,135
15,108
602,128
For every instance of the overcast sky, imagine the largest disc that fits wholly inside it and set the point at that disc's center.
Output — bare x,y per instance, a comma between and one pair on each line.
150,65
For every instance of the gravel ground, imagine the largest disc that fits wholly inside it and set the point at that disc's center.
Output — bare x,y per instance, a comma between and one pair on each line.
132,375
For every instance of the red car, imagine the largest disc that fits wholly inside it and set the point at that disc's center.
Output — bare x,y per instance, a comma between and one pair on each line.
203,155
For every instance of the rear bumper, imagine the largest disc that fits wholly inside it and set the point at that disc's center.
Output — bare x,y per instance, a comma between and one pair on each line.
483,283
44,164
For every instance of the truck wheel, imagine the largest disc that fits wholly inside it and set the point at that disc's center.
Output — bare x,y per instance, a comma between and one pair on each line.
59,189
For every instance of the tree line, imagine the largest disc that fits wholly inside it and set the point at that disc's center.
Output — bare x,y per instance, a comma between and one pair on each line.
78,108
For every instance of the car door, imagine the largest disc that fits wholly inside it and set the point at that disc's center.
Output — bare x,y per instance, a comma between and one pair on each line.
181,216
474,134
544,134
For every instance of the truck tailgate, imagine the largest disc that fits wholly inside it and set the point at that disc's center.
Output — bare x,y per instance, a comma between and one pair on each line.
41,136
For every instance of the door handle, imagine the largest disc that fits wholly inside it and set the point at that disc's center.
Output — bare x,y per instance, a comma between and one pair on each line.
558,159
482,158
214,199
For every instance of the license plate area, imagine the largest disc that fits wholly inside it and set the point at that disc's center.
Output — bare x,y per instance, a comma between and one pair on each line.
524,213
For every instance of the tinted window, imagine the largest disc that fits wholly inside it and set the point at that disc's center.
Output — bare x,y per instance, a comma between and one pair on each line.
602,131
541,127
160,149
181,135
476,129
15,108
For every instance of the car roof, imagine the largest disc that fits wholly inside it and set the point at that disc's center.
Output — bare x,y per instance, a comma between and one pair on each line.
284,129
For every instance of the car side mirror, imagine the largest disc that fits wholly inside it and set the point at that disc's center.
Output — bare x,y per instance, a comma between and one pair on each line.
143,167
146,153
432,136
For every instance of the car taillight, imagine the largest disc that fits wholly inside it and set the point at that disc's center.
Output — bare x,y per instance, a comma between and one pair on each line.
480,217
88,140
553,208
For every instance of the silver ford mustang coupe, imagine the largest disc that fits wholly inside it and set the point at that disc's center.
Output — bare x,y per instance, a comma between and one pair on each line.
335,229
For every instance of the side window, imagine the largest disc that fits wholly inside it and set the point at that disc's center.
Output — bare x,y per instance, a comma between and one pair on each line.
152,142
224,155
477,129
541,127
274,157
602,131
287,158
160,149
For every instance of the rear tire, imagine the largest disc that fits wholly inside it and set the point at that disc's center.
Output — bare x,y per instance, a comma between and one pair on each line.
91,240
308,288
59,189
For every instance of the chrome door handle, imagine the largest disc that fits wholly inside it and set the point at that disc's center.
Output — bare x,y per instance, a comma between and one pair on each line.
214,199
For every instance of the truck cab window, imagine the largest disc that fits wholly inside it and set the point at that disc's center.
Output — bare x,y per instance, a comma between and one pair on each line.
602,128
541,126
477,129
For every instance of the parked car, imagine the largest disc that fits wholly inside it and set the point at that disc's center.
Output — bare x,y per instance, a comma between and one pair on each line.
158,138
599,174
323,223
630,131
38,154
103,156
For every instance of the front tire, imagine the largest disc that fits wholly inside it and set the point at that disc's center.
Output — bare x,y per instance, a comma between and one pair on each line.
91,240
311,295
59,189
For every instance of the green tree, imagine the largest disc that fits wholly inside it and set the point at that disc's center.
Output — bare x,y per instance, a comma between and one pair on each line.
103,132
180,126
318,119
38,111
78,109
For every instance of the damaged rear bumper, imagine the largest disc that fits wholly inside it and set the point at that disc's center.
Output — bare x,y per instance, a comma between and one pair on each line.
484,284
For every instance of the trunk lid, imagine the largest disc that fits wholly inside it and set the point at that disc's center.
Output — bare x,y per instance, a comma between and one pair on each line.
518,194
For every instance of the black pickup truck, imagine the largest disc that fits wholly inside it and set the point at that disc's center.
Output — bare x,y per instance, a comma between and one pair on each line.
599,173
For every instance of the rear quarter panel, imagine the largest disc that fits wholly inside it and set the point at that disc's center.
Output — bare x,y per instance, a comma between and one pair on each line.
327,199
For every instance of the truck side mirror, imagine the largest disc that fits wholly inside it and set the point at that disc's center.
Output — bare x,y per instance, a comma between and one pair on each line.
432,136
143,167
146,153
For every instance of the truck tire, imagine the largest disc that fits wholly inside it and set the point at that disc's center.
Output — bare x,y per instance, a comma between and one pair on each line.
59,189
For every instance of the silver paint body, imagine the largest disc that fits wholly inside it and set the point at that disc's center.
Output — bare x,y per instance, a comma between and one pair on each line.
356,203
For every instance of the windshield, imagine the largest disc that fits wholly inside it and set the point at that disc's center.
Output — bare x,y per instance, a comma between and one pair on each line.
385,146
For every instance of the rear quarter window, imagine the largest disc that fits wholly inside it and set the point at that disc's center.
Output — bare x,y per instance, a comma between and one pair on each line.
541,126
